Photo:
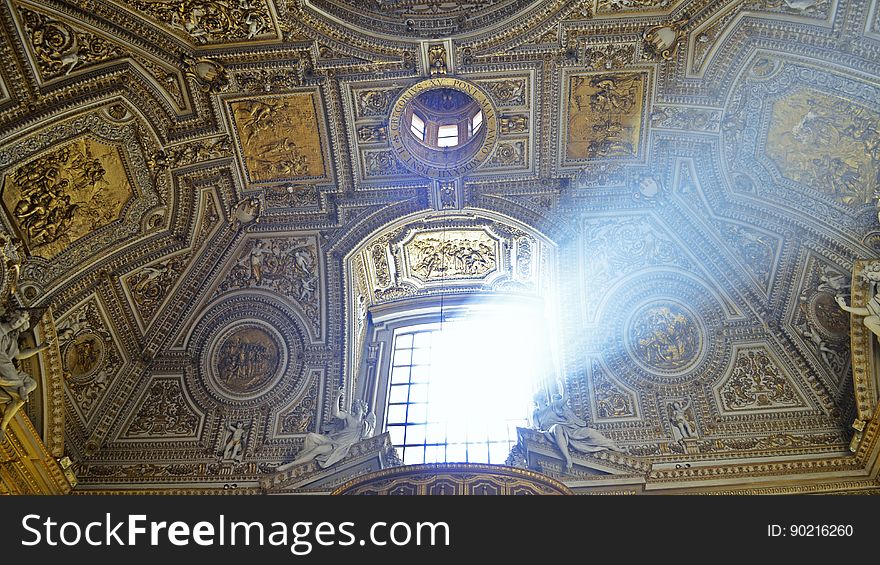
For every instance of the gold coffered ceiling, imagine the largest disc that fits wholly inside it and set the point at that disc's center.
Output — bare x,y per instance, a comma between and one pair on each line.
693,180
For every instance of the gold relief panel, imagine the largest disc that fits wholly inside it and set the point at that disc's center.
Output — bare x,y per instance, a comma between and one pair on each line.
58,48
211,21
165,411
90,357
611,400
826,143
288,266
507,92
665,337
617,6
373,102
299,416
65,194
149,287
281,137
756,383
441,255
245,360
604,116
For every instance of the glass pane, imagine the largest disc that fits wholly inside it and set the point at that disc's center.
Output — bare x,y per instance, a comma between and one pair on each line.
456,431
447,136
413,455
396,413
422,339
478,453
436,432
498,452
435,454
418,393
447,131
415,434
396,433
420,374
398,393
456,452
421,356
497,430
403,341
400,375
417,413
447,141
402,357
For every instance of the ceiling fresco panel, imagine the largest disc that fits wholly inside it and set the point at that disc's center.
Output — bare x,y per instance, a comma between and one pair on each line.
282,138
604,116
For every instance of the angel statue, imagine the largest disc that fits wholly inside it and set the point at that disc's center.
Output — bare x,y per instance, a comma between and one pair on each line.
569,432
871,311
15,385
332,447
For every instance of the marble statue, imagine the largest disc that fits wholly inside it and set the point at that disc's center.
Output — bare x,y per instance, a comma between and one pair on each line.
15,385
234,450
871,311
682,427
569,432
332,447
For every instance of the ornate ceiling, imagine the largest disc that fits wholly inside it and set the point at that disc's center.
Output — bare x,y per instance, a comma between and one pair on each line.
693,181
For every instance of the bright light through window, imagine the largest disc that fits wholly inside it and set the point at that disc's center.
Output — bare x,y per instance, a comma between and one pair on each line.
457,394
447,136
417,127
476,123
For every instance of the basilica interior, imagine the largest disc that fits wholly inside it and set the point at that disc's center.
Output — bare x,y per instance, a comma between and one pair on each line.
439,246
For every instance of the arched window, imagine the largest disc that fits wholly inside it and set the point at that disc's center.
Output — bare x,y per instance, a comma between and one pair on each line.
458,338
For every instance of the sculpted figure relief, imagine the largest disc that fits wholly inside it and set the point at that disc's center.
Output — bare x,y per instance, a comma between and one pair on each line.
871,310
234,449
331,448
569,432
15,385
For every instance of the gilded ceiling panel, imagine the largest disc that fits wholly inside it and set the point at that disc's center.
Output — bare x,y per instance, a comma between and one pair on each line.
59,48
604,116
449,255
756,383
300,416
149,287
280,138
286,266
66,194
827,143
164,411
90,358
782,120
78,187
821,325
211,21
611,400
423,18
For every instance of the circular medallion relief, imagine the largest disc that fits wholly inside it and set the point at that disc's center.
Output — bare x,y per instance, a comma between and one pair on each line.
84,355
443,127
247,359
664,337
823,309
